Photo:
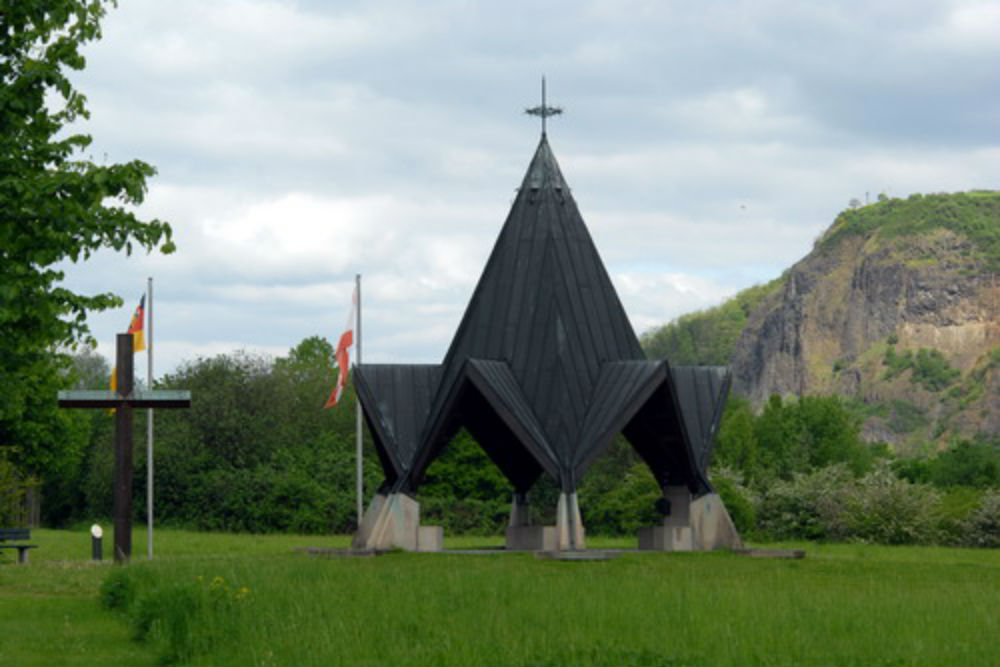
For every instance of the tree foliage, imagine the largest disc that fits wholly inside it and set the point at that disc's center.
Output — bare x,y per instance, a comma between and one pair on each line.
971,214
929,367
790,436
970,463
54,206
256,451
707,337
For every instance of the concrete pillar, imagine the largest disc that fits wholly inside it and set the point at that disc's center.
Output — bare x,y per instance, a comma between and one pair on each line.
569,524
520,510
680,506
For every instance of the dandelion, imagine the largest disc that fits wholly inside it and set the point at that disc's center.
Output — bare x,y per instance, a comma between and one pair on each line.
218,582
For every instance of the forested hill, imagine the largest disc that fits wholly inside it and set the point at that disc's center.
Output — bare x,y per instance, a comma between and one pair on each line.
896,308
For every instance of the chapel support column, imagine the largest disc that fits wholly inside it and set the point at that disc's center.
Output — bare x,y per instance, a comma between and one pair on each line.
569,525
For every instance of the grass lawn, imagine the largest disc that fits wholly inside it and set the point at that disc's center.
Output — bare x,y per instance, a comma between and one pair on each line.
240,599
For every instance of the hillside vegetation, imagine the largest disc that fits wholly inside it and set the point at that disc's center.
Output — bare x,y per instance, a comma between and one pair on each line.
707,337
974,215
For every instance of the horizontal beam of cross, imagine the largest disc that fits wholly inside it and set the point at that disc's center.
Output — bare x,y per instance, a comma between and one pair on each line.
139,398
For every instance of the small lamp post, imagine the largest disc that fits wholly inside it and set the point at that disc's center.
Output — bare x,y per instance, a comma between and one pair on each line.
95,542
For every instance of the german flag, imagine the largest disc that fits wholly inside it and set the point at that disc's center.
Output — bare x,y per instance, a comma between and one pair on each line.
138,340
135,326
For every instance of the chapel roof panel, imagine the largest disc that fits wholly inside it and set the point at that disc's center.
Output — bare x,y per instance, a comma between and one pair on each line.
397,398
701,393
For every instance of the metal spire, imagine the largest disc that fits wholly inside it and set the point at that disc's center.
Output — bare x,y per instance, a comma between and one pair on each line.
544,110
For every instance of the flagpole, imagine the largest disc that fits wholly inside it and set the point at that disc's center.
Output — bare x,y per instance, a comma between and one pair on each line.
357,408
149,424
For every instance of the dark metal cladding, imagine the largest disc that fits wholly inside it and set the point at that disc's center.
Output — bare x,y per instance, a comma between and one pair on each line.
623,388
497,384
702,392
395,399
544,369
545,306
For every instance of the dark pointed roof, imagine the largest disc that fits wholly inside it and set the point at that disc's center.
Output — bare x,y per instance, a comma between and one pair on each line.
545,305
544,369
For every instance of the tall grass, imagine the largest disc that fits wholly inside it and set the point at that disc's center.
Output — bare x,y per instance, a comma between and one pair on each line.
838,607
212,599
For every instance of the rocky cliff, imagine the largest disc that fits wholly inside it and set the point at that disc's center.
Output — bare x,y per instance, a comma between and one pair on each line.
898,307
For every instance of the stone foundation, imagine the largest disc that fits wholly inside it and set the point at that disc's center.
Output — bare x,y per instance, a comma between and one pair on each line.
700,524
393,522
531,538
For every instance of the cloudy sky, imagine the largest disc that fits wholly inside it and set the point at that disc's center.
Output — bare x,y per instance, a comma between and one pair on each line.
707,144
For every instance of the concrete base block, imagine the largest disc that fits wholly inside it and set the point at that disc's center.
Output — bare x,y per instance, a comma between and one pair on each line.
713,527
363,537
430,538
665,538
393,522
532,538
700,524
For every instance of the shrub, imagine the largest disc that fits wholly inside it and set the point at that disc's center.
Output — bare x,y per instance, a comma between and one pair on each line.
165,616
885,509
969,463
117,590
11,494
625,507
982,528
954,510
932,370
178,618
830,504
465,516
929,366
738,499
801,508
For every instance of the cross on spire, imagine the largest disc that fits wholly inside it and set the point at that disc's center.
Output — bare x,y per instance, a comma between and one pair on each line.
544,110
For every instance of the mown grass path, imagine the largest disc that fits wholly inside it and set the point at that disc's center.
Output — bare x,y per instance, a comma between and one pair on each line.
842,605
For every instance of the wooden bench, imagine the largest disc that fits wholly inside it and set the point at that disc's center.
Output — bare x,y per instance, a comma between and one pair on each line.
13,535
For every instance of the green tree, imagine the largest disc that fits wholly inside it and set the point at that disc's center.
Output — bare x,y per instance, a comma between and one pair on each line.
736,443
809,433
256,451
779,439
969,463
464,491
54,206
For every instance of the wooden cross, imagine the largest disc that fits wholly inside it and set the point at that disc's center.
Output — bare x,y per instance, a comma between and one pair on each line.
123,401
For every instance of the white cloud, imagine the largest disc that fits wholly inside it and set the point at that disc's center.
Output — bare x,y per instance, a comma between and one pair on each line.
707,144
975,26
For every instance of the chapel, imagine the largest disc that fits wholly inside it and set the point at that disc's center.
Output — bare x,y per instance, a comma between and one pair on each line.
544,372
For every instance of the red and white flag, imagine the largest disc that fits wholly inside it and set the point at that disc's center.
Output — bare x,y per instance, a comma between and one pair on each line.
341,355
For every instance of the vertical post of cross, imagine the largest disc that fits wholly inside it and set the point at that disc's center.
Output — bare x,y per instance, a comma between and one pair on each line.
123,450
